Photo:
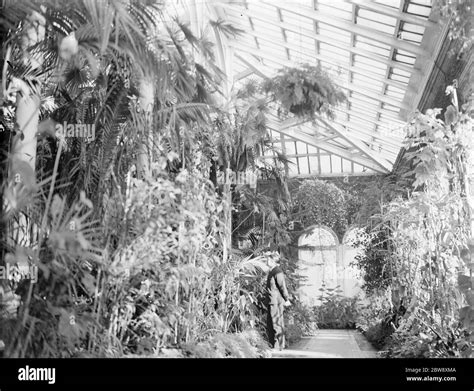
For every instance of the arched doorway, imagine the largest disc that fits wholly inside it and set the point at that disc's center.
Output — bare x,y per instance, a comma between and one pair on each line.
324,262
352,280
318,255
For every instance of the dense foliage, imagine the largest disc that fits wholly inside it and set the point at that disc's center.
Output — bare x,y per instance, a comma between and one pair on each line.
424,237
335,310
321,203
373,261
132,229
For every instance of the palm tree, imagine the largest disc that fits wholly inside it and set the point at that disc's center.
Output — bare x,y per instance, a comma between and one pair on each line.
111,51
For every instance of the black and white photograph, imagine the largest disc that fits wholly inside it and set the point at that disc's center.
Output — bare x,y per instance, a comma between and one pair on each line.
282,190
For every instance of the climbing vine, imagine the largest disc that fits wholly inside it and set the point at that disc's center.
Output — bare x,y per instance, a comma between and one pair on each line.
321,203
428,235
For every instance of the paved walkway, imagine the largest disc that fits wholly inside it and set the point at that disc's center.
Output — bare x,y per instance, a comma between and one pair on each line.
330,344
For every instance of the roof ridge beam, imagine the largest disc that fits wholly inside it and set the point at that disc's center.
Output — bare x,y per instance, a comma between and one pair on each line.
256,66
342,133
377,158
294,121
345,154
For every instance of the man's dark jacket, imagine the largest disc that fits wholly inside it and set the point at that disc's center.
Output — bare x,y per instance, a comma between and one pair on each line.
276,287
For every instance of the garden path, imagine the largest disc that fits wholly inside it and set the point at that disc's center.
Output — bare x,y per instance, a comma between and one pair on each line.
330,344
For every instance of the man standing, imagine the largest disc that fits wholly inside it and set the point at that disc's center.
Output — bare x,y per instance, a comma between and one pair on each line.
277,299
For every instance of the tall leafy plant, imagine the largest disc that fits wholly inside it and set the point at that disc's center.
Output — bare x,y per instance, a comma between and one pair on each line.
428,232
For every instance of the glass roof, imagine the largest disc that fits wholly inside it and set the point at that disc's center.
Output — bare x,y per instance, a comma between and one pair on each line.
369,47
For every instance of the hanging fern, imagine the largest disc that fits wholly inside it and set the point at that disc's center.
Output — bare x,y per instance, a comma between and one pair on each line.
304,91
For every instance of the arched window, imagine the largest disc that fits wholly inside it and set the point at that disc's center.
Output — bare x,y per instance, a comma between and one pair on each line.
351,236
319,236
318,250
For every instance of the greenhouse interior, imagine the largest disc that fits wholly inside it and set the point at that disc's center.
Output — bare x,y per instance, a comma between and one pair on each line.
237,178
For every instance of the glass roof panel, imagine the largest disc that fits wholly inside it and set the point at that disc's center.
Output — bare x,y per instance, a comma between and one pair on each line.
303,165
399,78
300,41
336,4
411,37
368,69
261,8
330,55
325,164
371,63
240,20
335,12
379,18
396,96
300,147
302,56
418,9
364,114
346,165
384,28
387,118
413,28
290,147
405,59
303,3
373,43
336,163
365,67
388,107
361,80
422,2
371,48
390,3
362,106
364,101
394,90
267,29
313,164
335,50
248,39
273,48
337,34
358,123
272,64
293,167
400,72
297,20
312,149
